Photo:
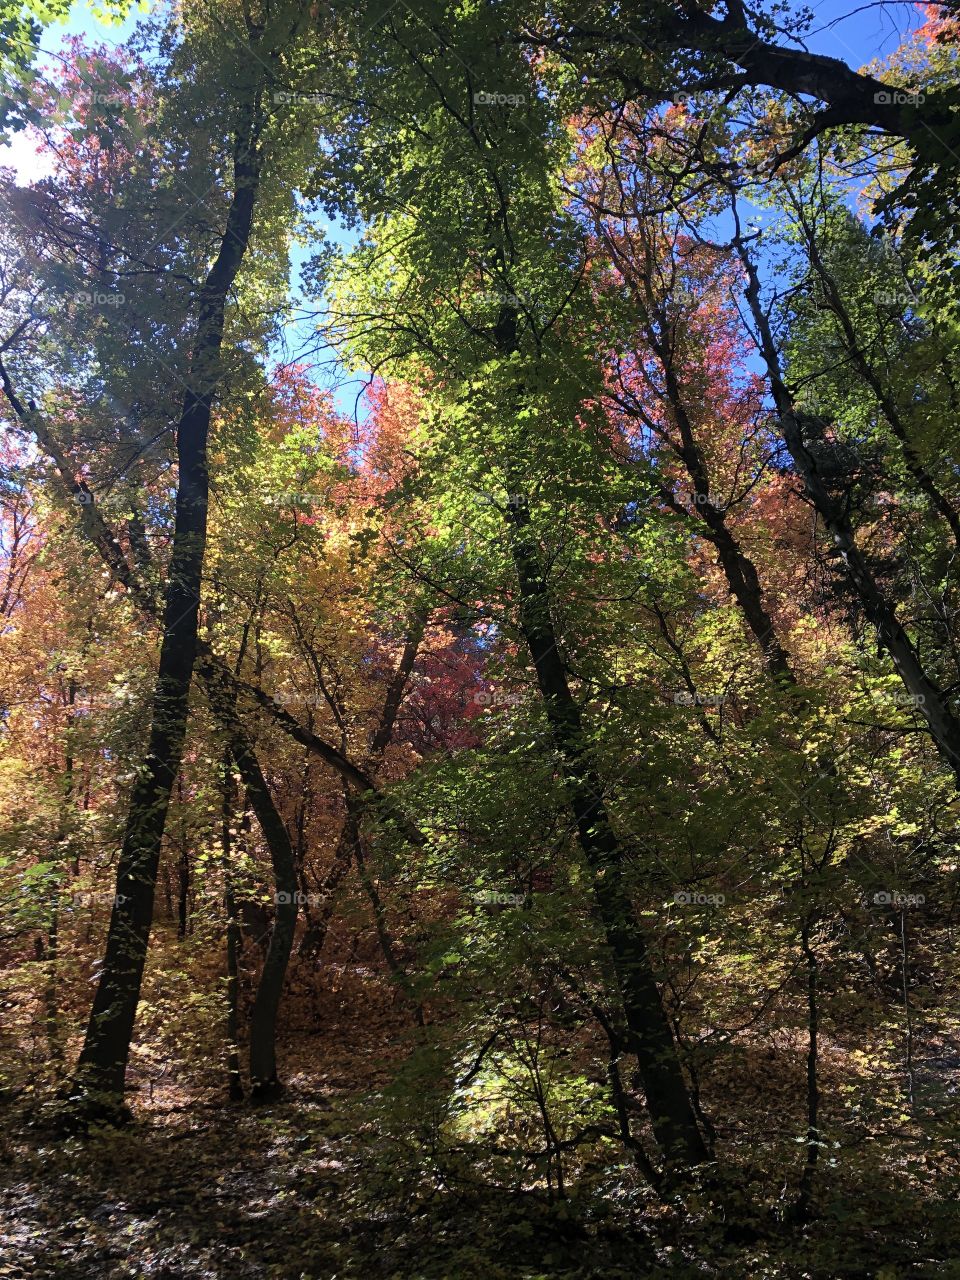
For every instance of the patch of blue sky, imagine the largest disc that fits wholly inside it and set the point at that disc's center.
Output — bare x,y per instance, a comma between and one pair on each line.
856,34
300,342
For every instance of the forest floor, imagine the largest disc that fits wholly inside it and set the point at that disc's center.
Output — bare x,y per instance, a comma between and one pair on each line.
301,1190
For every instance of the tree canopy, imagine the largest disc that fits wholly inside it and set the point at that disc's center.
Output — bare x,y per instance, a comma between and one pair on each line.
503,820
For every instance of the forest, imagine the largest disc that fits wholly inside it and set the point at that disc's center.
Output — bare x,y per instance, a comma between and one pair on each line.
479,640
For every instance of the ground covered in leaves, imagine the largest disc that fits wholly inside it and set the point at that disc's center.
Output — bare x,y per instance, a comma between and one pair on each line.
314,1188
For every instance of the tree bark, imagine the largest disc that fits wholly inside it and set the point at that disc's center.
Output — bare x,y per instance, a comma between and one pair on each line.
928,697
103,1059
264,1081
648,1031
740,571
738,57
638,268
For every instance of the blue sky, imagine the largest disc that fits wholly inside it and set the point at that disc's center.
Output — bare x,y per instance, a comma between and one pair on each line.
21,155
853,32
870,31
843,29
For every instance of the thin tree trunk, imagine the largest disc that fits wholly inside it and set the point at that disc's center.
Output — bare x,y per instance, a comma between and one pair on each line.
924,481
801,1209
744,582
234,1077
618,1094
740,571
927,696
50,995
384,937
398,686
264,1081
183,870
312,942
648,1034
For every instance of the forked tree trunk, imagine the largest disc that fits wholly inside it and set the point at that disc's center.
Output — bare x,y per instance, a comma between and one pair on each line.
316,934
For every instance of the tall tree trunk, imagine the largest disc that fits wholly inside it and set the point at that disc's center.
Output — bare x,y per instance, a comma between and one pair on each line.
744,583
740,571
648,1034
103,1059
648,1030
927,696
